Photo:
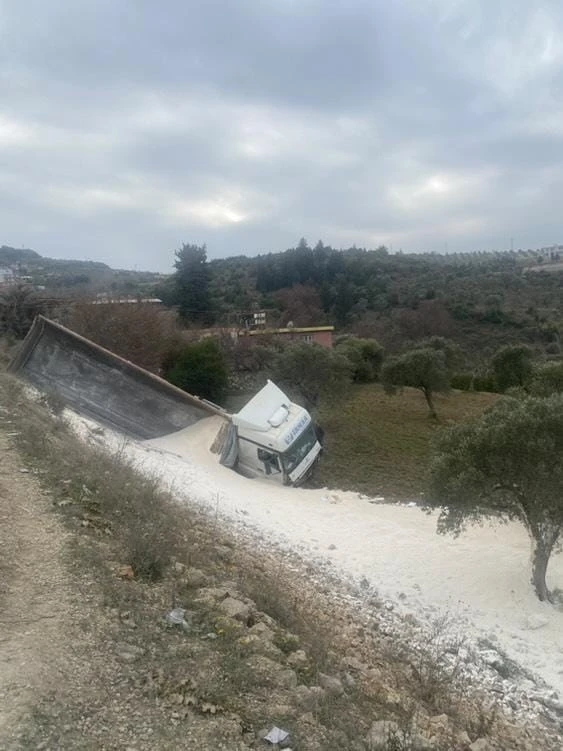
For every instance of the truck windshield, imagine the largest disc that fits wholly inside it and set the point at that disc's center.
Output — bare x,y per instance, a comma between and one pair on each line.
299,449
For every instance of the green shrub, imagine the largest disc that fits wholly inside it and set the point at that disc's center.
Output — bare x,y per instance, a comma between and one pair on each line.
199,369
484,383
547,379
462,381
19,305
365,356
513,366
312,372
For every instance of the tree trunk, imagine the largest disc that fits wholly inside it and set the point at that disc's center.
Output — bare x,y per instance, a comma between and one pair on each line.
428,397
540,559
543,536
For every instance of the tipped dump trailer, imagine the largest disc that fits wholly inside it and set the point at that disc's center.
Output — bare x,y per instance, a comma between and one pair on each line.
269,437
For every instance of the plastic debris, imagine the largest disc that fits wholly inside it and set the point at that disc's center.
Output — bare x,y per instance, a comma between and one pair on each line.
276,735
176,618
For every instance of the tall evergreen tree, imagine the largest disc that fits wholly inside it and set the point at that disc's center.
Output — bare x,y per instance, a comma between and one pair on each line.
192,284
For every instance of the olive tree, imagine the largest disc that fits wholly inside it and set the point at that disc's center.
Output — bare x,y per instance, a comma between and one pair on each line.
424,368
505,466
365,356
452,351
513,366
547,379
313,371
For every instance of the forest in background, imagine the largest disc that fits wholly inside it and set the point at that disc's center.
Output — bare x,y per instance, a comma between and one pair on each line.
479,300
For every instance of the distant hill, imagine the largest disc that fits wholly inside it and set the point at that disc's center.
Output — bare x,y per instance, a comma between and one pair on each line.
9,255
480,300
62,276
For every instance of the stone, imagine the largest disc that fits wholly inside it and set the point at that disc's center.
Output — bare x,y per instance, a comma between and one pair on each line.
256,643
235,608
125,571
263,618
308,698
195,577
271,672
492,658
286,678
442,721
298,659
262,631
331,684
210,595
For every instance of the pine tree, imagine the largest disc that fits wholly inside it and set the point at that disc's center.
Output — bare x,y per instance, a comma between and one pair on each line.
192,284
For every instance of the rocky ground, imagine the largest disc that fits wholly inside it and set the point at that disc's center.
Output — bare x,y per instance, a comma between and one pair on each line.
232,643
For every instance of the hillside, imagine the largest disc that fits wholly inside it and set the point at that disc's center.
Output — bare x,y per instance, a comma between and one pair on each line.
481,300
265,637
67,277
9,256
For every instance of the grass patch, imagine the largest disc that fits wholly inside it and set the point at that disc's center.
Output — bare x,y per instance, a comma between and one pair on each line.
381,445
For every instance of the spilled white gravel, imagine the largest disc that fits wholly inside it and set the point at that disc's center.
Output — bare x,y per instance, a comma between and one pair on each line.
480,581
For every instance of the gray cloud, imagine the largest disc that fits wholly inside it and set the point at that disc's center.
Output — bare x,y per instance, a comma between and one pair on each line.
129,128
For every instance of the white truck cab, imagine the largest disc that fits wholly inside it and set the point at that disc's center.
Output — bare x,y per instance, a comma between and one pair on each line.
276,438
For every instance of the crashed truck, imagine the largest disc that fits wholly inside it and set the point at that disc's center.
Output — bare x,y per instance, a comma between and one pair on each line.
270,437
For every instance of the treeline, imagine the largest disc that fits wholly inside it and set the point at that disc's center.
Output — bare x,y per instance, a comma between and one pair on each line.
481,300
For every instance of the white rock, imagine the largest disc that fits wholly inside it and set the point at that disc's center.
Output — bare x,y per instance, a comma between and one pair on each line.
535,621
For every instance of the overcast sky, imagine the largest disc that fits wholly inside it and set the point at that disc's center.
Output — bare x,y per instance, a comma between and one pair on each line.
130,126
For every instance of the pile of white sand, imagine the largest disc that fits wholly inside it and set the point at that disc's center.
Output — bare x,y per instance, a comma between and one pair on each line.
482,578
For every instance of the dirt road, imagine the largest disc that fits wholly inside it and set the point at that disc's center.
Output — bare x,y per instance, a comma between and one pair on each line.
35,602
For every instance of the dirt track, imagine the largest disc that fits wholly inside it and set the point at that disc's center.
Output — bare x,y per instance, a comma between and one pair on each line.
34,597
66,679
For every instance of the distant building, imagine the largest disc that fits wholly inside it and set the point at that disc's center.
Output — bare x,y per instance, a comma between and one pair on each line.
7,276
551,253
318,334
103,299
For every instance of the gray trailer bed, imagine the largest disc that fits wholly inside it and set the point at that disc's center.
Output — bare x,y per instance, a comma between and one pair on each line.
99,384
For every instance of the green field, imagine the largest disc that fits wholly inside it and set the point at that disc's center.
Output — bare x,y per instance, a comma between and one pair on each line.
381,445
